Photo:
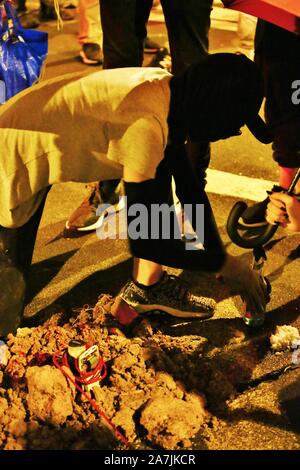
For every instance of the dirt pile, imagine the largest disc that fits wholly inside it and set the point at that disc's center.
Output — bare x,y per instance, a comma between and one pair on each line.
152,392
49,397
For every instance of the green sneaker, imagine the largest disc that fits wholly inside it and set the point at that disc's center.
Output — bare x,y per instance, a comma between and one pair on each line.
169,295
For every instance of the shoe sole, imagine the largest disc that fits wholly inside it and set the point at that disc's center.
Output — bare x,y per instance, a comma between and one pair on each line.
87,61
115,209
12,297
140,308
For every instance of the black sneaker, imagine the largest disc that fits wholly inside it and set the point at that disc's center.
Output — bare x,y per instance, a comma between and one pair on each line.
169,295
91,54
255,216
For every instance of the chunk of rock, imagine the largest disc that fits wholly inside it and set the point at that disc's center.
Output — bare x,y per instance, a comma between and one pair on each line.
285,337
49,395
170,422
4,354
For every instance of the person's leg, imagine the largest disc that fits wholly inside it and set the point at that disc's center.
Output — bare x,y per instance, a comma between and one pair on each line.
67,10
16,250
188,26
246,33
278,54
281,113
280,60
150,287
27,18
146,272
90,32
124,31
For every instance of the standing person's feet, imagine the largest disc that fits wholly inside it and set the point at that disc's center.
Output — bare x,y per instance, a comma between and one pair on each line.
169,295
28,19
85,217
47,11
162,59
91,54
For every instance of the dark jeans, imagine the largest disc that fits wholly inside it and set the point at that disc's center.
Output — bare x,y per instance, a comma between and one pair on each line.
278,54
124,25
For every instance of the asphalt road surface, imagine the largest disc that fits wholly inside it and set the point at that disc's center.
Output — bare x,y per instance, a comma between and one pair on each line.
68,273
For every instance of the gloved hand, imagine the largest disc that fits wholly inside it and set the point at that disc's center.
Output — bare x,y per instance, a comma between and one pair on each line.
246,282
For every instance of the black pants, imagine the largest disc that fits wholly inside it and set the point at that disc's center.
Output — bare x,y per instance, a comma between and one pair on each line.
124,25
278,54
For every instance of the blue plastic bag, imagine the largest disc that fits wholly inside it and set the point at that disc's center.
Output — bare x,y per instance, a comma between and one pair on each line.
22,54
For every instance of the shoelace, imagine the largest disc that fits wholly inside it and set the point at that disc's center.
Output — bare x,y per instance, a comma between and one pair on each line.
173,287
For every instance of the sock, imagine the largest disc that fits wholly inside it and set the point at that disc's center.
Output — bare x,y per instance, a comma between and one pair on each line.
143,286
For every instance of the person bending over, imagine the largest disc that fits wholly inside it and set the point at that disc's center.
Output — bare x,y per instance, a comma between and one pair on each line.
130,123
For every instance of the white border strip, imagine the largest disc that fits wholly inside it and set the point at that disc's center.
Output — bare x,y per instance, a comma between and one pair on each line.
228,184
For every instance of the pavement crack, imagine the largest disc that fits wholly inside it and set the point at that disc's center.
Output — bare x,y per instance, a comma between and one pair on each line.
242,386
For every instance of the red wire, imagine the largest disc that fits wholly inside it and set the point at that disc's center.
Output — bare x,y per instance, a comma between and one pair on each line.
92,402
87,378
